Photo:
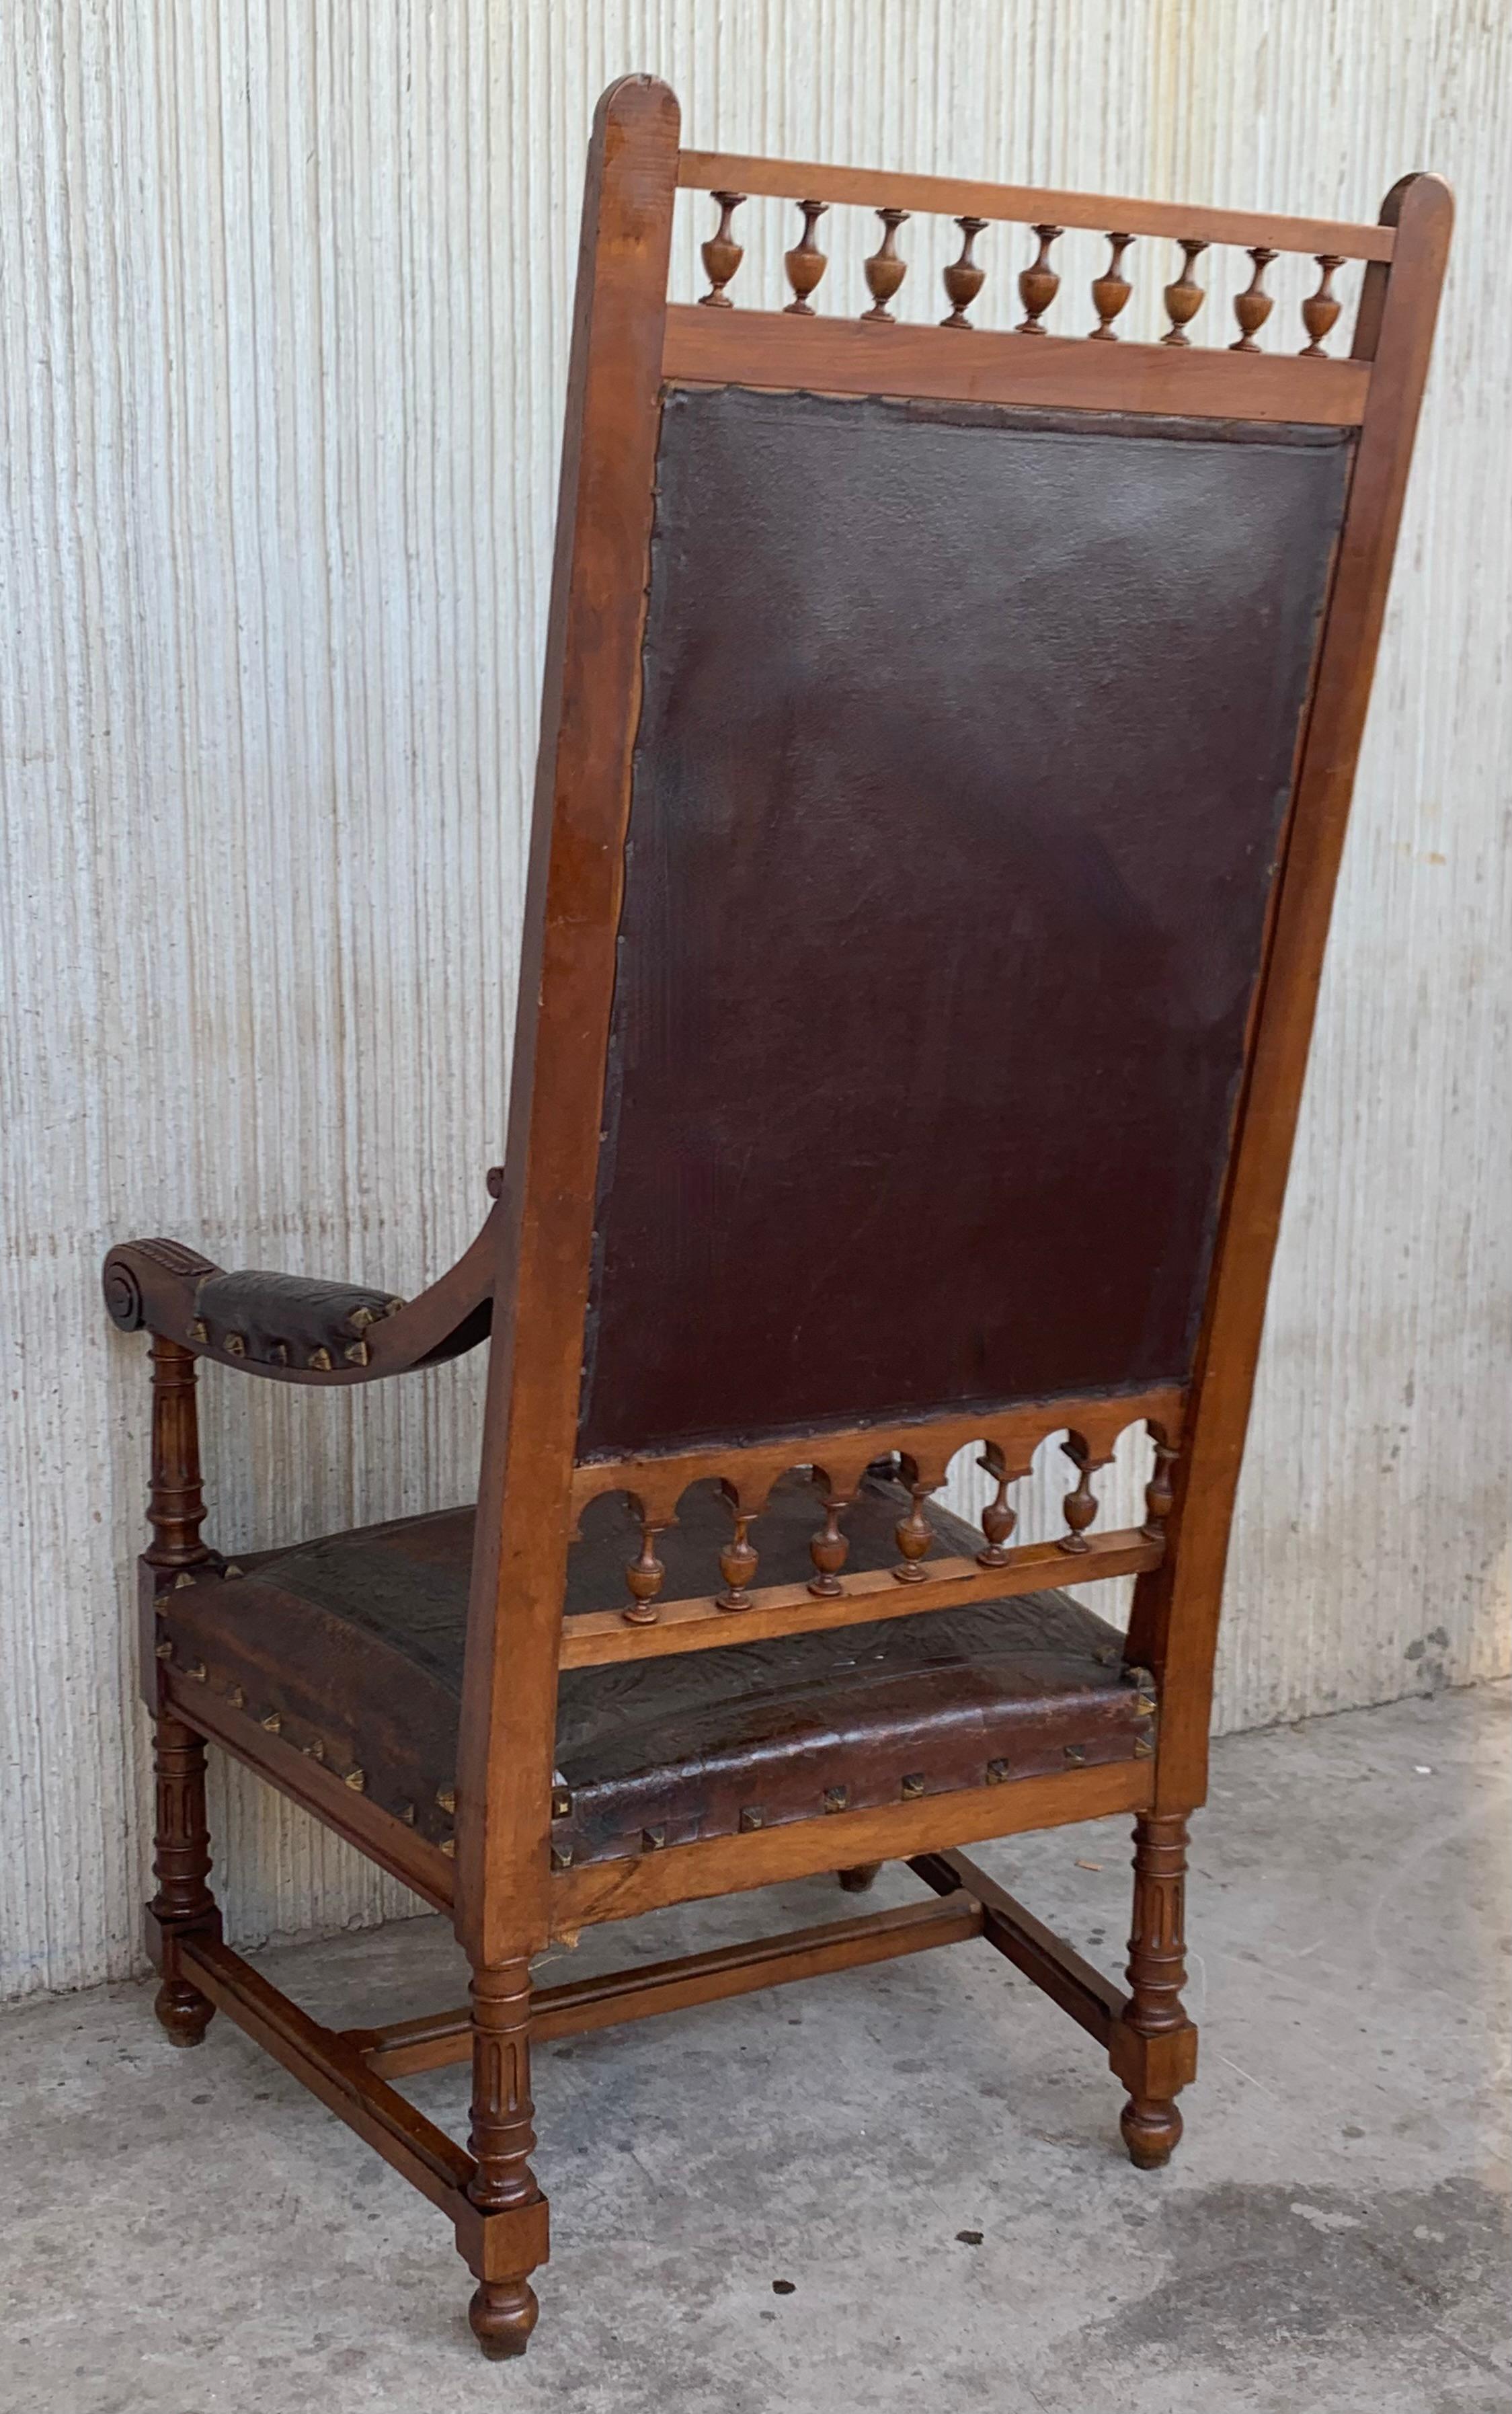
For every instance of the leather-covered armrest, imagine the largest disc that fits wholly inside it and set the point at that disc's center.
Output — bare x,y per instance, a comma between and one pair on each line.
288,1320
295,1329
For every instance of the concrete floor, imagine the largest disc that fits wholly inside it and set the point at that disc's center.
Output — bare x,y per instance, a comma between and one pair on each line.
194,2235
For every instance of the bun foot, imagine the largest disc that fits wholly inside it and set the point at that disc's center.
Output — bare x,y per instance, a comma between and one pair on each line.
183,2012
1151,2132
856,1880
503,2315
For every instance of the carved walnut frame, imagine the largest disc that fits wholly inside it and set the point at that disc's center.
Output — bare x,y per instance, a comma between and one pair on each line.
527,1275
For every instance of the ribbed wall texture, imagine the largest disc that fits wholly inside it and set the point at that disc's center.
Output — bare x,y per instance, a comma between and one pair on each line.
284,303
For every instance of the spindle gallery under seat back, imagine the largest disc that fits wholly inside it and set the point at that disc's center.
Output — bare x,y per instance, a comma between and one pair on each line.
966,741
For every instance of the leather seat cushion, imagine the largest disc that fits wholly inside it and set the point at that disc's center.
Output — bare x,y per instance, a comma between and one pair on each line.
352,1646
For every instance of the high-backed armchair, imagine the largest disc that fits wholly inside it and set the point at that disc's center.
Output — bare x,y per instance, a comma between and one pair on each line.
945,752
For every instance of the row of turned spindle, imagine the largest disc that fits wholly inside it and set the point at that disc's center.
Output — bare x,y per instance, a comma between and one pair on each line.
1038,284
914,1534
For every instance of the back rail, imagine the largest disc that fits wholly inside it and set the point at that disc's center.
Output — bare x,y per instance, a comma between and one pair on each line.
846,356
593,1638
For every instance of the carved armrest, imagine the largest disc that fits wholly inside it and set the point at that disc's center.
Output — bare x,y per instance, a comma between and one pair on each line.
295,1330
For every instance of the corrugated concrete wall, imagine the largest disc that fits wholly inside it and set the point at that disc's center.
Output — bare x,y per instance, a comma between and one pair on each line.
284,299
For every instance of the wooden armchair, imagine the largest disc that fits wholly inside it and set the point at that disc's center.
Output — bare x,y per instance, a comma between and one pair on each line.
946,748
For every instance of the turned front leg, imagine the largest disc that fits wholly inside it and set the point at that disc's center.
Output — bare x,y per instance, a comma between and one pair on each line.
184,1903
513,2233
1153,2048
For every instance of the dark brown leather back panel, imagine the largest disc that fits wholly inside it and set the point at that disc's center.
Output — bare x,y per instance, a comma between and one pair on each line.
966,744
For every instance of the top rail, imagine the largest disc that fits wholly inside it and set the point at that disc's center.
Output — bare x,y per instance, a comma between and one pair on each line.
800,180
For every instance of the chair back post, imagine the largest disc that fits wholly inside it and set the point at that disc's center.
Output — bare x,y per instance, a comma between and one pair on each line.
590,703
1174,1629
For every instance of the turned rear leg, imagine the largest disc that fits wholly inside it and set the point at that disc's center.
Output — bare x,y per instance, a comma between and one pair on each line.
511,2239
856,1880
1154,2046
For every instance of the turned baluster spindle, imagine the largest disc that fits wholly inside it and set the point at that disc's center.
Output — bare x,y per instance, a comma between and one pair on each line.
1039,283
828,1548
914,1534
645,1575
1253,308
1159,1495
721,254
1080,1506
806,263
1184,298
175,1504
997,1519
1321,309
964,278
1111,290
737,1560
885,272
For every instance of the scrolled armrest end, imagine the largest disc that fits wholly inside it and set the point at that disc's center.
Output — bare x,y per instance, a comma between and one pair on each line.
133,1279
